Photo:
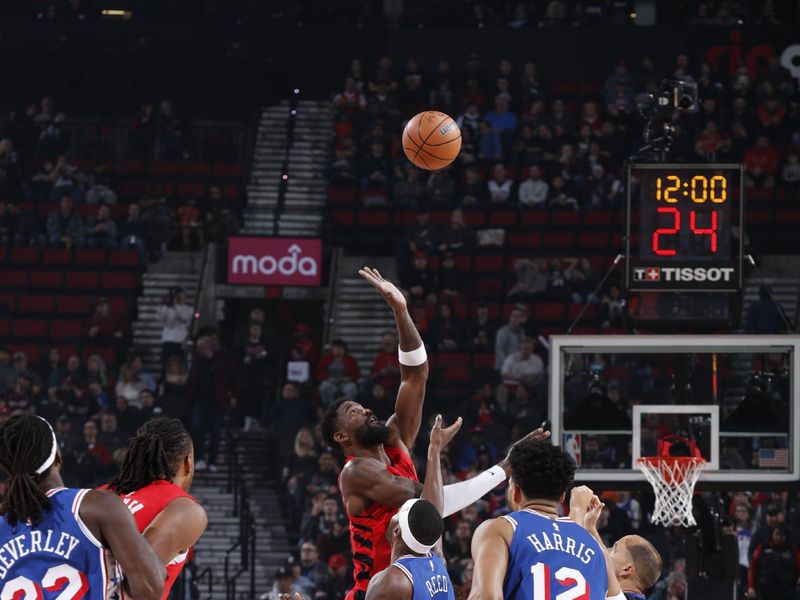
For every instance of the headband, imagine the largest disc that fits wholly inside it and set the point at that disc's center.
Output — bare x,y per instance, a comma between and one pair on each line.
52,458
405,531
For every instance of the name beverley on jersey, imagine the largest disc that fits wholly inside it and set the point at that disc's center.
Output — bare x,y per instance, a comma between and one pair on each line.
59,543
542,542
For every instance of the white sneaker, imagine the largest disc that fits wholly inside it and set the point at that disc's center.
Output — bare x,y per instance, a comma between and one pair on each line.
212,468
200,465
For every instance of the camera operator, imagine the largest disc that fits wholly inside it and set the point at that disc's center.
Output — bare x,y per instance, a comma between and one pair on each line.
175,315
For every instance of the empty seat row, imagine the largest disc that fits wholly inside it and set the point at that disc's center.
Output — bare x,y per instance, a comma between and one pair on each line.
186,169
48,304
18,280
52,257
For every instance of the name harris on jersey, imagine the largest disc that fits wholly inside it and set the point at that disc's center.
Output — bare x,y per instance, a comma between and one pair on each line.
59,543
564,543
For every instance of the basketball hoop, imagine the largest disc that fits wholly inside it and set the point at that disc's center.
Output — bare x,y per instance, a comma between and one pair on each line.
673,479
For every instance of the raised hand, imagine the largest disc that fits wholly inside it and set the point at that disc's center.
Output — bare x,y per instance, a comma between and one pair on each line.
393,296
441,437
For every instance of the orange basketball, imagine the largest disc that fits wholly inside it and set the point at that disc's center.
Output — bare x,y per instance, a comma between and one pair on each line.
431,140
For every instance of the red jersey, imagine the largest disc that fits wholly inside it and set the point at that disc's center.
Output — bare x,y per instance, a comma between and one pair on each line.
371,552
145,504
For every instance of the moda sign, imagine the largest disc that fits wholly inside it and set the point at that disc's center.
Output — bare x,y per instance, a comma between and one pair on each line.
274,261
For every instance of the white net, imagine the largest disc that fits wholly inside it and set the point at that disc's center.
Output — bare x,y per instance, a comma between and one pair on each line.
673,479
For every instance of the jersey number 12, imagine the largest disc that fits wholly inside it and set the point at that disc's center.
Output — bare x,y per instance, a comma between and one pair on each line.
579,589
62,578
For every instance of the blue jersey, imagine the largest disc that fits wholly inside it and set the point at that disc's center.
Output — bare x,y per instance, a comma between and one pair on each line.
58,558
428,576
551,559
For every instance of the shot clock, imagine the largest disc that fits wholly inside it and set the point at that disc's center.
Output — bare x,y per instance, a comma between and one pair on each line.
681,228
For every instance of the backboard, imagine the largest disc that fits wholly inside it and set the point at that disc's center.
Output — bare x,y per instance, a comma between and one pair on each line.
613,397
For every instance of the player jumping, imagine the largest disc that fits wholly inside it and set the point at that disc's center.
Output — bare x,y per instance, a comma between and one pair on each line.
154,483
533,549
55,540
415,573
379,476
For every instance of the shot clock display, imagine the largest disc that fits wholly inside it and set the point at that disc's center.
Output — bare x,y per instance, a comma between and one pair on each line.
681,230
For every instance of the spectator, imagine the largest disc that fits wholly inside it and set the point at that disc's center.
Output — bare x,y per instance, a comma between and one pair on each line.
502,120
457,237
774,514
774,568
173,388
790,174
451,279
473,191
764,316
444,331
526,148
342,169
375,172
350,100
533,191
110,434
9,216
561,195
103,328
20,361
221,220
290,411
761,163
457,546
490,144
339,578
418,281
65,227
477,443
284,586
508,338
386,366
744,535
337,373
95,447
470,118
421,236
22,397
101,231
499,186
440,189
129,385
612,308
211,394
52,372
301,581
175,316
135,358
310,565
408,190
522,366
480,330
323,521
82,469
132,231
191,223
257,361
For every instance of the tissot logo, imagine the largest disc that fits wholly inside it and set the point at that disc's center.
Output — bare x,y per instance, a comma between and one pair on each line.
698,274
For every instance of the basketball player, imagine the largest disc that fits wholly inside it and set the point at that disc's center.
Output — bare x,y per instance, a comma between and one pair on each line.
632,560
415,573
154,484
533,548
379,475
55,541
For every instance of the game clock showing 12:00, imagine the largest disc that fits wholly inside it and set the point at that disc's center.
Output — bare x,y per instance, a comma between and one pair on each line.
684,219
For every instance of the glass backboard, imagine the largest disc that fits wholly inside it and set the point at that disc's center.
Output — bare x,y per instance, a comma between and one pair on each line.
613,397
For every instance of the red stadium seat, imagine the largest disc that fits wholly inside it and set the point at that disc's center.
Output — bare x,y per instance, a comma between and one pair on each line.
32,351
73,305
230,191
29,329
491,287
475,218
162,169
533,217
548,311
558,240
8,304
527,239
456,374
565,217
464,263
80,280
373,218
439,217
489,264
502,218
36,304
5,325
123,258
61,329
47,280
452,359
118,306
598,218
227,170
24,256
194,169
130,167
15,279
90,258
483,360
194,190
52,257
118,281
3,255
342,196
593,239
575,309
343,217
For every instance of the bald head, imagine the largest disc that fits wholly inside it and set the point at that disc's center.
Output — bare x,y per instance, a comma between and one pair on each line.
637,563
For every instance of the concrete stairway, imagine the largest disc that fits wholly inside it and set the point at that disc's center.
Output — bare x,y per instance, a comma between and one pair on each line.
272,544
172,271
306,191
360,314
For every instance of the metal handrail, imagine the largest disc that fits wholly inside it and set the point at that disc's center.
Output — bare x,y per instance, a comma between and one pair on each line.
196,582
201,287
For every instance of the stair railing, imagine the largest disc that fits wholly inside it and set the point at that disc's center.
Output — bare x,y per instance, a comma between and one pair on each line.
283,184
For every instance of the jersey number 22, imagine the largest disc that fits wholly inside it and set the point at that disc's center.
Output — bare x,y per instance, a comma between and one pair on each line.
62,578
579,589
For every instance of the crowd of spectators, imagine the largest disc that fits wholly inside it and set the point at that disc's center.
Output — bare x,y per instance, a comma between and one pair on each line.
36,170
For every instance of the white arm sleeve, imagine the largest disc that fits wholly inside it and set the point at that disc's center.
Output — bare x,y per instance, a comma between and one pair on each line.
619,596
460,495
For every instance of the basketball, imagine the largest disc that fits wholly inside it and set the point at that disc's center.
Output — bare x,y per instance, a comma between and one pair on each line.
431,140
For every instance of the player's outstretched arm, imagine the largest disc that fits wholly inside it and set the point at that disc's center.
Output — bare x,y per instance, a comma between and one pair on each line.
390,584
368,478
407,417
587,512
176,528
458,496
432,490
490,552
112,524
